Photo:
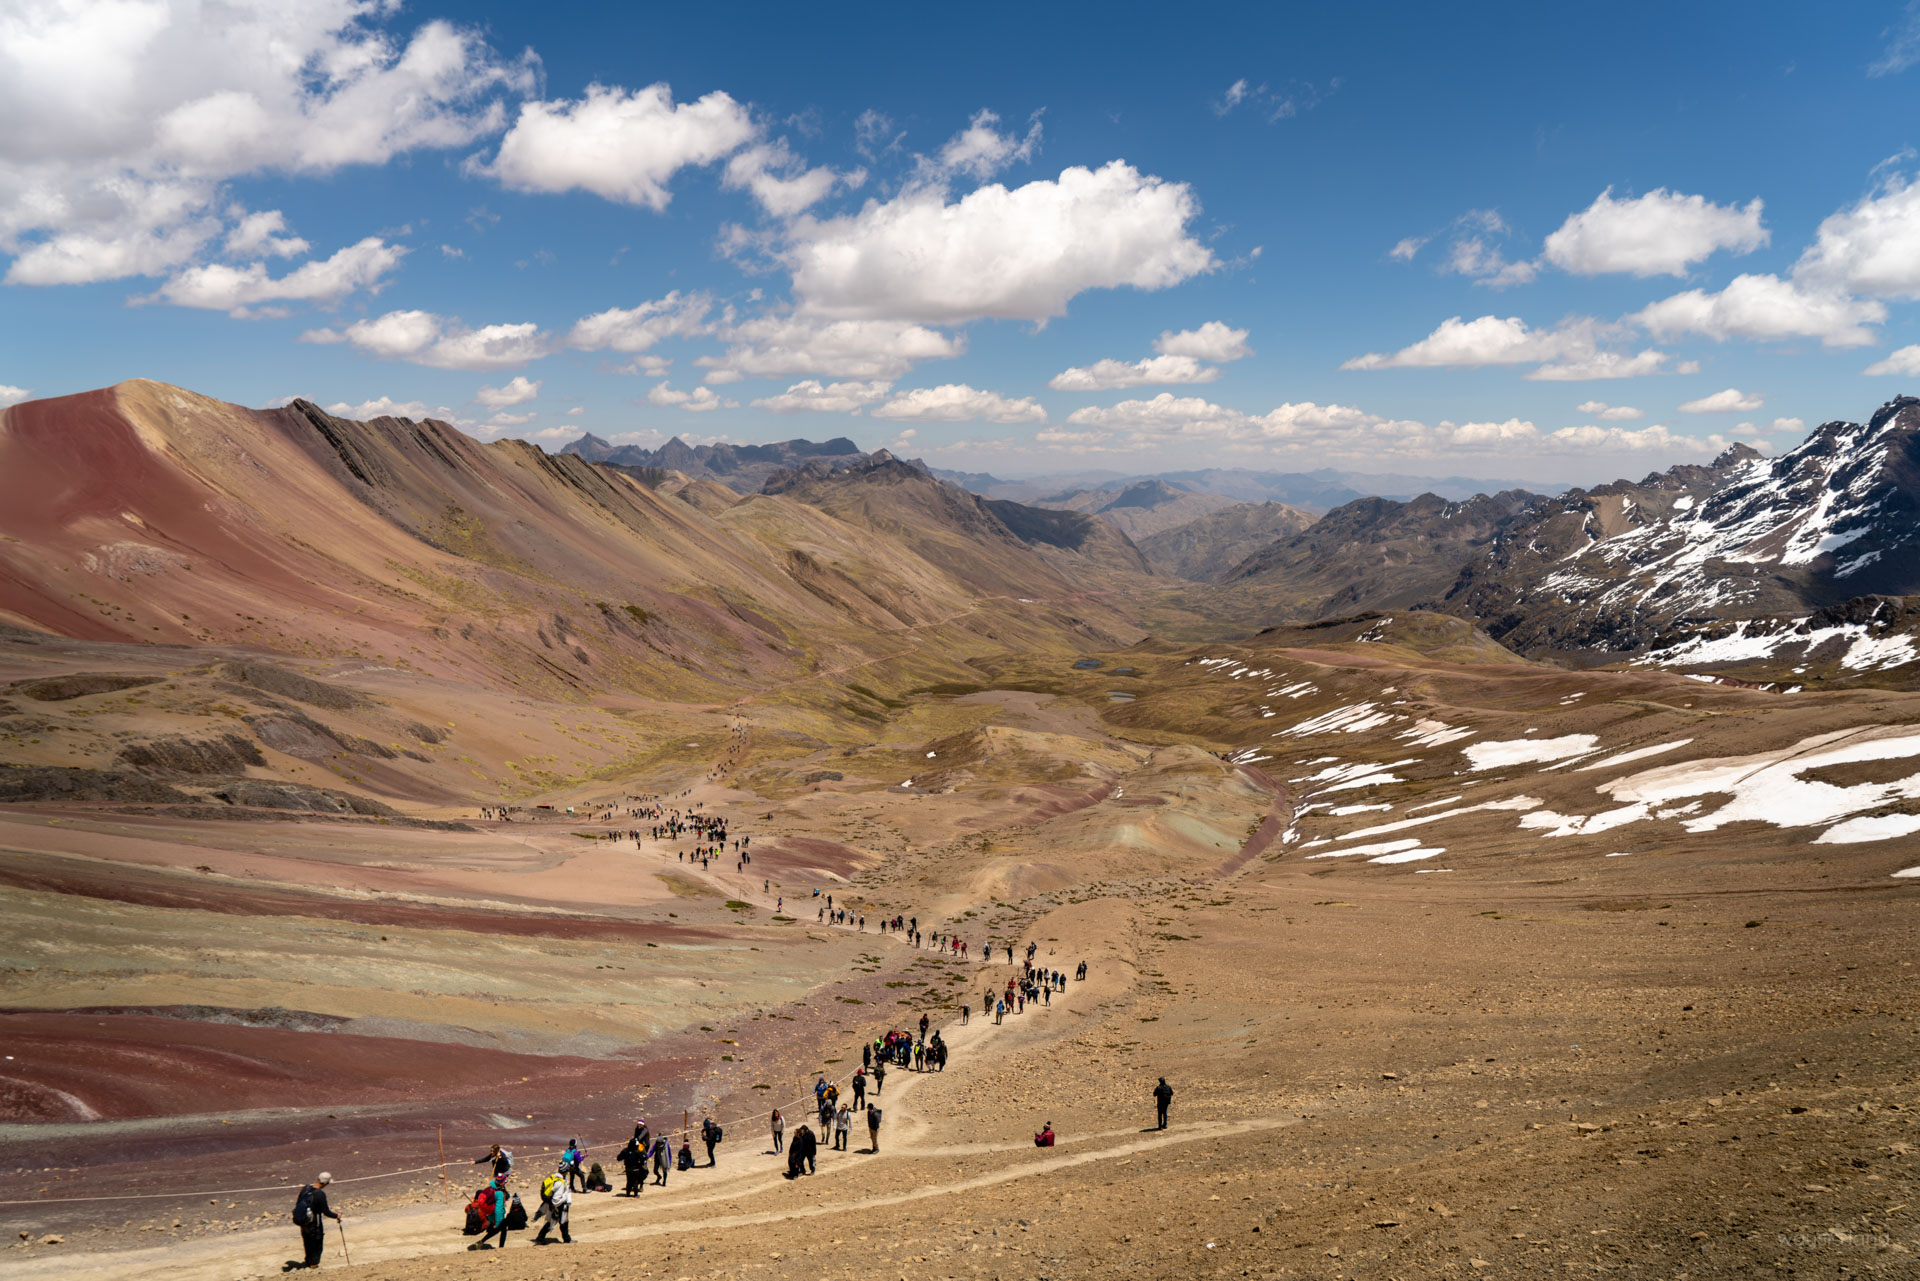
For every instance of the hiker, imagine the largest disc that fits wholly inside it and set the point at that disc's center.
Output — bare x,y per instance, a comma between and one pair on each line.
556,1206
499,1158
633,1159
499,1215
662,1158
1044,1139
842,1127
686,1153
826,1114
859,1087
866,1056
310,1215
1162,1096
710,1134
573,1165
965,1011
879,1076
939,1053
800,1152
873,1126
779,1124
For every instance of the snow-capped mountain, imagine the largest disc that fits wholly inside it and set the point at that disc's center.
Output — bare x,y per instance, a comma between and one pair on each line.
1642,567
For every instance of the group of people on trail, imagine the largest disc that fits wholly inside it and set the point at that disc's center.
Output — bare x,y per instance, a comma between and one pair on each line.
495,1211
836,1122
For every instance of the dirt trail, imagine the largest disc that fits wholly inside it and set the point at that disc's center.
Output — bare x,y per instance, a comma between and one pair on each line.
913,1157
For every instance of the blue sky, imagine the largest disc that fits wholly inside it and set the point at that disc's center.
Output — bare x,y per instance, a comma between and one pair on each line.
1502,240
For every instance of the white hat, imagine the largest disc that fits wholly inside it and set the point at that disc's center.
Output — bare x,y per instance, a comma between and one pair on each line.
325,1178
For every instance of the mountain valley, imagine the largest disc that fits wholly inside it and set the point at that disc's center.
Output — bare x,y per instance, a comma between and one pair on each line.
1507,883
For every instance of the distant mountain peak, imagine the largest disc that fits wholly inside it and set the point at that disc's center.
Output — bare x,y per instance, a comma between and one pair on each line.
741,468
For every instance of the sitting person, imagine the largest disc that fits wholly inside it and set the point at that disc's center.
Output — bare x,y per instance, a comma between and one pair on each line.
685,1161
1044,1139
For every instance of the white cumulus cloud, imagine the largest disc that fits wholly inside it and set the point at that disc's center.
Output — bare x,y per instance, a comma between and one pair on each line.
1568,352
10,395
518,391
1872,248
811,396
1765,308
1637,440
1730,401
219,287
781,182
1903,361
1610,413
959,403
257,233
635,329
782,346
388,407
1599,365
698,401
124,118
982,150
1485,340
1154,371
1215,341
1019,254
1662,233
439,342
622,145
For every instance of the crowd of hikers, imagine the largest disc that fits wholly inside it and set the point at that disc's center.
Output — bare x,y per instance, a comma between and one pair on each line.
495,1210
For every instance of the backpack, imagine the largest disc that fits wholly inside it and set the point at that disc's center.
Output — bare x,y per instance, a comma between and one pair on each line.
516,1215
547,1185
714,1133
479,1212
303,1206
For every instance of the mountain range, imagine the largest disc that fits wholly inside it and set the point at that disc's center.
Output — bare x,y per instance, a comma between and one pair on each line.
146,513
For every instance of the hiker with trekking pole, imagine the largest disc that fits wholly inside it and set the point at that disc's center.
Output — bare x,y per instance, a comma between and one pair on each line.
310,1215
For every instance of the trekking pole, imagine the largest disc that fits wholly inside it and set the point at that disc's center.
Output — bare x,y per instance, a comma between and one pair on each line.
343,1241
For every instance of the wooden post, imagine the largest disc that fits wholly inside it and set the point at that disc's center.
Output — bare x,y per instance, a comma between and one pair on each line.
443,1164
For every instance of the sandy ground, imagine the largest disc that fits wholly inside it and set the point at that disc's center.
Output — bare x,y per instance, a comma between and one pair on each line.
1514,1057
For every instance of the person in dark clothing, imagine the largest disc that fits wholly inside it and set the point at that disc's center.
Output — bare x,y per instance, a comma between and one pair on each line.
873,1128
709,1135
500,1159
860,1088
633,1159
800,1152
1162,1096
313,1227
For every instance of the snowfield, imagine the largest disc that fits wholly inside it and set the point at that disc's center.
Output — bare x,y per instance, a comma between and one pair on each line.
1528,751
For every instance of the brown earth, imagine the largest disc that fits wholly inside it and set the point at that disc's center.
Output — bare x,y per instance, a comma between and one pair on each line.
1459,964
